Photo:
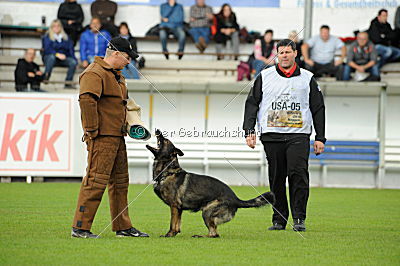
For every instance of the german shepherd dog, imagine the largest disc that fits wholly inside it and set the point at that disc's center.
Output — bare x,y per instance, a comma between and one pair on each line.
182,190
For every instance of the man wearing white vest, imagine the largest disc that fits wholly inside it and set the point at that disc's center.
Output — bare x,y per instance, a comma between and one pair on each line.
286,102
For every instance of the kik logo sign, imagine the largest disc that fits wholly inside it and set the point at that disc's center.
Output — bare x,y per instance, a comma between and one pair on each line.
35,134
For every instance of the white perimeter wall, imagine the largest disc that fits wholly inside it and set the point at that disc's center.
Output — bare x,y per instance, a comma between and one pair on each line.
360,112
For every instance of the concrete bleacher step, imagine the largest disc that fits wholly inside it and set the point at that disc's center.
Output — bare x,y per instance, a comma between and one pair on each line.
185,62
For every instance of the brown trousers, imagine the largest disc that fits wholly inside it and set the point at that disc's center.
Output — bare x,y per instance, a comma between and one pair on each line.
107,165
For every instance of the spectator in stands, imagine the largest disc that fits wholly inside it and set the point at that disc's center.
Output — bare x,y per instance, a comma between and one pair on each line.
105,10
58,50
264,53
172,22
294,36
71,16
130,71
397,26
201,17
381,34
362,58
93,42
28,72
227,29
323,48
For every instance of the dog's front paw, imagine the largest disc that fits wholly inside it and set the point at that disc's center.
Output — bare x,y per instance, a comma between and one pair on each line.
169,234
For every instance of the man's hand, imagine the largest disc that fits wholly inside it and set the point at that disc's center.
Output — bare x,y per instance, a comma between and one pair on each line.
361,69
318,147
92,134
165,19
210,16
31,74
309,62
39,73
85,63
60,56
251,141
338,62
70,21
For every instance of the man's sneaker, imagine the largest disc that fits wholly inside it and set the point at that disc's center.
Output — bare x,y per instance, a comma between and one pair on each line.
299,225
277,226
79,233
132,232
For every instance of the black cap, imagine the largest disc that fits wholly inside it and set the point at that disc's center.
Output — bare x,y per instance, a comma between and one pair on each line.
122,45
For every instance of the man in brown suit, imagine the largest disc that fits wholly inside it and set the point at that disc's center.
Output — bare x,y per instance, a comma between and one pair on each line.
102,99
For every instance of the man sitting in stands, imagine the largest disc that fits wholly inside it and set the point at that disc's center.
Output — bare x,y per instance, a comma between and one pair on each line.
106,11
323,48
381,34
93,42
172,22
28,72
201,17
362,58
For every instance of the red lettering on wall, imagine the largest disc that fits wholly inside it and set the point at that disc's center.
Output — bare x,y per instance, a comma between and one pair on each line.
31,145
48,143
10,143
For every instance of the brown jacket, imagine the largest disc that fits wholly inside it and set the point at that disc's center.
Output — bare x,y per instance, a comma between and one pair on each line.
102,100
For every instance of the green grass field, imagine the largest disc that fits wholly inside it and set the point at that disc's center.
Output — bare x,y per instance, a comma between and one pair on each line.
344,226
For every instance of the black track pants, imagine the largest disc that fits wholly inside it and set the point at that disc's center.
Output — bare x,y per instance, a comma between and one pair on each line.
289,159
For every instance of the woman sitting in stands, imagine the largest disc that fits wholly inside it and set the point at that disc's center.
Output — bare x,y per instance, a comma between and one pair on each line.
264,53
131,70
227,29
58,50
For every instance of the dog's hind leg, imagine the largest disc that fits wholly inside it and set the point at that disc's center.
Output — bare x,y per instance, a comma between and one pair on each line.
208,211
211,226
174,229
215,216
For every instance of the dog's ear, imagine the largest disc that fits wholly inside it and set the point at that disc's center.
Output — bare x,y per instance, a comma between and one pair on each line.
179,152
159,133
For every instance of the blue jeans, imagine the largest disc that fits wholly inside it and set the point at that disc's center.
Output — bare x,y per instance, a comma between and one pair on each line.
259,65
387,54
178,32
90,59
374,70
51,61
130,71
198,32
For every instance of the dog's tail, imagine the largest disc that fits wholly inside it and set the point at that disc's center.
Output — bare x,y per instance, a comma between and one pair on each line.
264,199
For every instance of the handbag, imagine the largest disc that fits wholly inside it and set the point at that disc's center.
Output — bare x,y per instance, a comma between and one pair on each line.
243,69
153,31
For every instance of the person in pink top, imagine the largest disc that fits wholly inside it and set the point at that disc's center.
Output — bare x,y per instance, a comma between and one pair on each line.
264,52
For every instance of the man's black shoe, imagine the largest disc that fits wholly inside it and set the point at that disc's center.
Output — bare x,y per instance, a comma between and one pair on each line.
166,54
79,233
277,226
131,232
299,225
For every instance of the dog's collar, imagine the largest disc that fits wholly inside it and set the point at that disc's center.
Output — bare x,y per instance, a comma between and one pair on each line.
167,173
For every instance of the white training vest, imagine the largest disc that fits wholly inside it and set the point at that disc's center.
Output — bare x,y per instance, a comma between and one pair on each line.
285,107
